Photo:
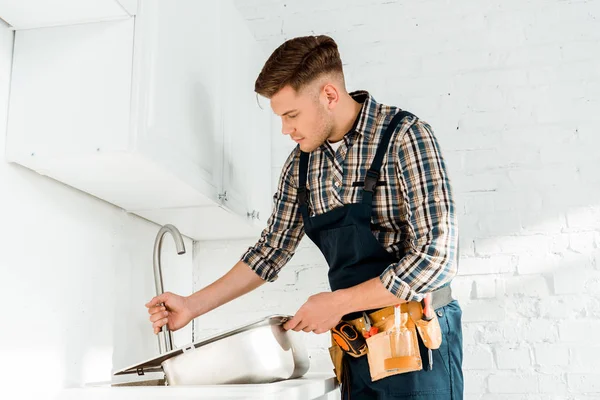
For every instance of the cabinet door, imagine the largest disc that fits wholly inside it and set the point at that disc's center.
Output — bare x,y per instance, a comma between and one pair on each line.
259,129
129,5
70,92
27,14
260,192
176,90
246,152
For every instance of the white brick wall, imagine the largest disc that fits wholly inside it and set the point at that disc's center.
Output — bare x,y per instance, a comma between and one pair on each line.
512,90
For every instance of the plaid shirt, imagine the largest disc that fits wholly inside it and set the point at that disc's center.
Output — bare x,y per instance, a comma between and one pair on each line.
413,216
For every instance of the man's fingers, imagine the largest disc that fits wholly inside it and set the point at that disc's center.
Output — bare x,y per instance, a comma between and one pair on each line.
158,311
159,315
297,324
159,324
300,326
151,303
154,310
291,324
157,300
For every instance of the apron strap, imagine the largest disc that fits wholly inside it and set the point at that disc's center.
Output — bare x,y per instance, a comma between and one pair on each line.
373,172
302,192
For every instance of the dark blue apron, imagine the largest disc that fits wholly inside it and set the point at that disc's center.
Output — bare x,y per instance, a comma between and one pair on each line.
355,256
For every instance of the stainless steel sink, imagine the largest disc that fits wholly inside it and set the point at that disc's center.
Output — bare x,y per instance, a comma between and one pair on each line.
260,352
148,382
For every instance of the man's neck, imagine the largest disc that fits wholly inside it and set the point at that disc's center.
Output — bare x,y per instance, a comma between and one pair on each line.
348,112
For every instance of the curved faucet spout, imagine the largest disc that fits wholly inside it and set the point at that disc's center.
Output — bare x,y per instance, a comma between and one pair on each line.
165,340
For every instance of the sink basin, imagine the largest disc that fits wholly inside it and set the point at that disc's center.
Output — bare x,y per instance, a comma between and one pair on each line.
260,352
148,382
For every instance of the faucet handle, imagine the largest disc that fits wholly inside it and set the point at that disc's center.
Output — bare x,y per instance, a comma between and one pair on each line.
165,340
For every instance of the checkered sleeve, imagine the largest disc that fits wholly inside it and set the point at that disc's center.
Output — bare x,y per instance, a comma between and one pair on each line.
285,229
430,259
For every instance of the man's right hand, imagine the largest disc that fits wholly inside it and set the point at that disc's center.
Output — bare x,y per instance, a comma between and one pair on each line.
177,311
174,311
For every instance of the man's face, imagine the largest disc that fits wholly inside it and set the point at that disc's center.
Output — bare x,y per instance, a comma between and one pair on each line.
305,116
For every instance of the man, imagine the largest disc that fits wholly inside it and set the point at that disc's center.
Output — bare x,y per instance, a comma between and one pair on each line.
367,183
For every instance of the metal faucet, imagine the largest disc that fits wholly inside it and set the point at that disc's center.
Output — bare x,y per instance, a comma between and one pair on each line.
165,341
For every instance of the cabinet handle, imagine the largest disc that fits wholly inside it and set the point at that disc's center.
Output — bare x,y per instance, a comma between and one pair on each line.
223,196
254,214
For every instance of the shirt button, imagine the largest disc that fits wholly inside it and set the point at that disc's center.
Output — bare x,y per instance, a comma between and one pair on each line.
336,184
440,313
436,199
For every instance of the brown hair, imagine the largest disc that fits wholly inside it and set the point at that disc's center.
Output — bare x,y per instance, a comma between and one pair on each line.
298,62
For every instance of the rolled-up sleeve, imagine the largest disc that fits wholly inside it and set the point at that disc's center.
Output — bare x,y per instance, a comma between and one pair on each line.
430,259
285,229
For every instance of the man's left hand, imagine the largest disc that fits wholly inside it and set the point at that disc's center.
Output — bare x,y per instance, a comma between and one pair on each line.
320,313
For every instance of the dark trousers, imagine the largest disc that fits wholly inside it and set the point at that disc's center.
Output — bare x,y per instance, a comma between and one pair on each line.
443,382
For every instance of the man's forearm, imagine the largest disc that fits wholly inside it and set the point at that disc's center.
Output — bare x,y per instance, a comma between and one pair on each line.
235,283
365,296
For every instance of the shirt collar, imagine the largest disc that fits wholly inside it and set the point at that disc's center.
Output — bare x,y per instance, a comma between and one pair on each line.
366,122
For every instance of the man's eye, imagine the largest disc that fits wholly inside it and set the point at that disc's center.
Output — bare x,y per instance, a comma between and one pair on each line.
293,116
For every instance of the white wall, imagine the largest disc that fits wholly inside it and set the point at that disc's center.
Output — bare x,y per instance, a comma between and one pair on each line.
512,90
75,273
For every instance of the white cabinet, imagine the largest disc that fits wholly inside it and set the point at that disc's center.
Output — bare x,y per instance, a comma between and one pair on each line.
157,116
246,125
176,106
27,14
130,6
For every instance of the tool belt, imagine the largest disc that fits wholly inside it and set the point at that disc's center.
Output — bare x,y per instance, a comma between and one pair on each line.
390,351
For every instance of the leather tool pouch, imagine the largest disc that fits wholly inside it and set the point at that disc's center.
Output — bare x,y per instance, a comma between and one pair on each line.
337,357
430,331
392,351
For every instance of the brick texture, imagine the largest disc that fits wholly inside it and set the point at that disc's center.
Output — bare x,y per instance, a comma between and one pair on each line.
512,90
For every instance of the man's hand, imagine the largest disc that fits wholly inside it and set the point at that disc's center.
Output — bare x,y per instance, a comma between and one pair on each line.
175,311
319,314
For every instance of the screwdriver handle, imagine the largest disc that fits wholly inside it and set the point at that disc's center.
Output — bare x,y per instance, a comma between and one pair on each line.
428,312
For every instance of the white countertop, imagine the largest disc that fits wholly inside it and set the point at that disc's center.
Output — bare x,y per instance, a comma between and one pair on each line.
310,386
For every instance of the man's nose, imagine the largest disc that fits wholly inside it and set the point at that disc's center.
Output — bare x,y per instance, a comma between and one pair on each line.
286,129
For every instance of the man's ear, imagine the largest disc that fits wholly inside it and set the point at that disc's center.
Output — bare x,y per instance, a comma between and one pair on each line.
331,95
